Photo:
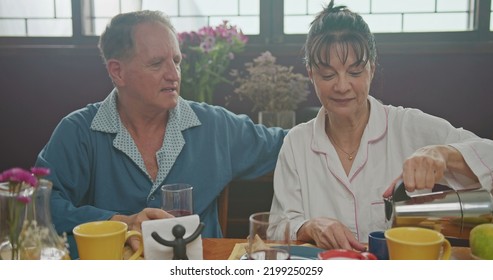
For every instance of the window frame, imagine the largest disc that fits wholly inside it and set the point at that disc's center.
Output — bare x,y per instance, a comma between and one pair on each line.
271,35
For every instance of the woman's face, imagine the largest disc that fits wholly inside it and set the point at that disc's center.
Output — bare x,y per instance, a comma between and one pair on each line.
342,88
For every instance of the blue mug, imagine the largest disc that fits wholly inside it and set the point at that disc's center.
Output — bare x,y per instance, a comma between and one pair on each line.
377,245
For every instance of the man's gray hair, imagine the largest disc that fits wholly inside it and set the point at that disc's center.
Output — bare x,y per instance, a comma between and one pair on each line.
117,39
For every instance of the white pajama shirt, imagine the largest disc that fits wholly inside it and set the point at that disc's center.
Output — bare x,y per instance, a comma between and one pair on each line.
310,182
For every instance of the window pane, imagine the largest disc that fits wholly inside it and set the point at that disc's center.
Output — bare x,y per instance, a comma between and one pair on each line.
27,8
105,8
130,6
248,7
384,23
186,15
36,18
388,16
186,24
297,24
12,27
99,25
110,8
435,22
63,8
312,7
402,6
358,6
248,25
453,6
295,7
208,7
49,27
169,7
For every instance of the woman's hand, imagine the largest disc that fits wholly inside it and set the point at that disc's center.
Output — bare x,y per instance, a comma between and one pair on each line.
134,222
329,234
426,167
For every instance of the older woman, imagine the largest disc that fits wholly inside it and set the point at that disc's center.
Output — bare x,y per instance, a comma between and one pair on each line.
333,170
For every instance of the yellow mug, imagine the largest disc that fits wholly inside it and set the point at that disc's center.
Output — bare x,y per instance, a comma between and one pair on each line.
104,240
414,243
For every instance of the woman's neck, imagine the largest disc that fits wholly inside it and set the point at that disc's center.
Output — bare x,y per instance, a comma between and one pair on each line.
347,132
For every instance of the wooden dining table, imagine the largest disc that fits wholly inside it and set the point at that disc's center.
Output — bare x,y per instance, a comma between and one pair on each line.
221,248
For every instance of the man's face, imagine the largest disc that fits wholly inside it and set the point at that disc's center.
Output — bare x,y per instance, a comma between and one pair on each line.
151,77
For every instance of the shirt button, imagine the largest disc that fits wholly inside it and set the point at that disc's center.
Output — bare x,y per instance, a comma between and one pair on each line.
152,197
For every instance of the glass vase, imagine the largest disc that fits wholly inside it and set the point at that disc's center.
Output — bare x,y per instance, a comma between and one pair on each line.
40,238
13,206
284,119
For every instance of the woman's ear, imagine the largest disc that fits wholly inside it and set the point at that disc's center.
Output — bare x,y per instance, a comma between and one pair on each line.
115,70
310,74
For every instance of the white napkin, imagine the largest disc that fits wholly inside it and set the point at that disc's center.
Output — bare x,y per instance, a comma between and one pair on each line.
155,251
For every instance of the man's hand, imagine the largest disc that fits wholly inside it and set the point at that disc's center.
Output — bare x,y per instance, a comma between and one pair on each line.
134,222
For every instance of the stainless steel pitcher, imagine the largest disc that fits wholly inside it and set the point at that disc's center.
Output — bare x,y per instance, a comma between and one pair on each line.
453,213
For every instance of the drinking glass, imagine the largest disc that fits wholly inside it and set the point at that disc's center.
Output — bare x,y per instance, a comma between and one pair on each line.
177,199
269,237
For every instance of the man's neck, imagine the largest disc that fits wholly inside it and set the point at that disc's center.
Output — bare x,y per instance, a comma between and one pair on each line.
141,123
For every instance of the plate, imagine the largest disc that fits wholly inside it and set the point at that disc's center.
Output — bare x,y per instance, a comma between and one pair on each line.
298,252
305,252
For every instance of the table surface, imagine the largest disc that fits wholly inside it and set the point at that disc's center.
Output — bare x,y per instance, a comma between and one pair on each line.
221,248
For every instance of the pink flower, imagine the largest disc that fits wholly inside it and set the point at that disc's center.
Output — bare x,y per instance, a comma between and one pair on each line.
23,199
207,31
206,56
18,175
208,44
40,171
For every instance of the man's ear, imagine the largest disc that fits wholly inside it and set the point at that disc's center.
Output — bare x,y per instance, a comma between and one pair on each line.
115,70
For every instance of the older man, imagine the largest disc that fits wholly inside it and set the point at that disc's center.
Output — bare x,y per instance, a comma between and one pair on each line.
109,159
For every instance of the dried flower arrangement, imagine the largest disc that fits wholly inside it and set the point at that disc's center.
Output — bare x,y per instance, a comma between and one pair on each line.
270,86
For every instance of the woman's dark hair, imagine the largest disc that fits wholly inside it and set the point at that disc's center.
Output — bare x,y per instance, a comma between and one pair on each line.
117,40
339,26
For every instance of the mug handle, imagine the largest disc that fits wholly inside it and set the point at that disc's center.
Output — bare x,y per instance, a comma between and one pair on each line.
137,253
447,250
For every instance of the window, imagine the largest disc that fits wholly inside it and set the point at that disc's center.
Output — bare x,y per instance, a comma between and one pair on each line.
50,18
491,16
186,15
267,22
385,16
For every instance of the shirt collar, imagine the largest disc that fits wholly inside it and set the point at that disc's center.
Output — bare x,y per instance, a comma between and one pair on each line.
107,118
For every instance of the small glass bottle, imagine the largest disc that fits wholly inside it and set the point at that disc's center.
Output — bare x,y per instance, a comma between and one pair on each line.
49,245
12,213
